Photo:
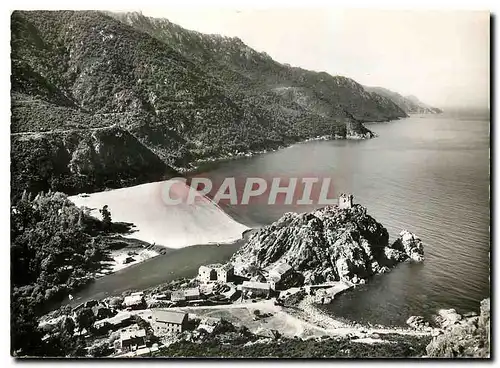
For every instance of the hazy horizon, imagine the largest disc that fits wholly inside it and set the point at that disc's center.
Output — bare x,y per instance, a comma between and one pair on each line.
441,57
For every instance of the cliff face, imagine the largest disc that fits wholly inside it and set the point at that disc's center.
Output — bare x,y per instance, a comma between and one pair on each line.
463,336
409,104
328,244
77,161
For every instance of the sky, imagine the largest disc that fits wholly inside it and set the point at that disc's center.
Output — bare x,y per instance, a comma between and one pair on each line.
440,56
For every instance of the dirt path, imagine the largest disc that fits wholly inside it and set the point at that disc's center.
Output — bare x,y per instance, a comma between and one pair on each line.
304,320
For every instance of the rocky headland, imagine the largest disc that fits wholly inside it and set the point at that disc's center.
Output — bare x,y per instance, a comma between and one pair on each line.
330,244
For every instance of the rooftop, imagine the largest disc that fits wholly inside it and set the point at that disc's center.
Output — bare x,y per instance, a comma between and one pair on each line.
132,299
192,292
127,335
209,267
256,285
120,317
169,316
282,268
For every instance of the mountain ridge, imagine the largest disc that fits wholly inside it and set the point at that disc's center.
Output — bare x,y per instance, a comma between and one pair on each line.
182,101
409,104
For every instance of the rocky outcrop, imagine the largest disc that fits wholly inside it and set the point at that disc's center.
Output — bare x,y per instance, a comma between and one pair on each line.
417,322
464,336
408,245
328,244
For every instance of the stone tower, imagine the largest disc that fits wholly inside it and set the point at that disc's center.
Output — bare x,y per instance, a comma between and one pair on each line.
345,200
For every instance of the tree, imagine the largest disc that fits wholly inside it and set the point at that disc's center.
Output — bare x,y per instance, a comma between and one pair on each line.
25,335
100,350
85,319
68,325
106,218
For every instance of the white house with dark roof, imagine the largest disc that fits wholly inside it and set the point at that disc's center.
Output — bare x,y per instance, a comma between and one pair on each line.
167,322
262,289
207,273
133,301
192,294
132,340
280,272
225,272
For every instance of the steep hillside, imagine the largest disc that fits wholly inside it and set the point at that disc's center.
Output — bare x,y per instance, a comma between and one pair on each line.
409,104
82,160
258,77
198,97
426,108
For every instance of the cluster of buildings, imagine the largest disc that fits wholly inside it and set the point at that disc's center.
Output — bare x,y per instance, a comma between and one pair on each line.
217,283
263,285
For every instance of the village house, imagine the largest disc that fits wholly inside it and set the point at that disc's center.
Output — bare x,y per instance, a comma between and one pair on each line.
279,274
216,272
207,274
192,294
121,320
166,322
178,296
208,324
225,272
134,301
253,288
280,271
132,340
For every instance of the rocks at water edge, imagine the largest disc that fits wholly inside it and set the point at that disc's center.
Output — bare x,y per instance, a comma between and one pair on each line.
417,322
466,337
407,246
328,244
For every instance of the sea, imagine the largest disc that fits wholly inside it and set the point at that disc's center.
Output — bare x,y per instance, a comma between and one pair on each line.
429,174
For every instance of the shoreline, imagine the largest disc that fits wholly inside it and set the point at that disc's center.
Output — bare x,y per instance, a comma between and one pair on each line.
145,253
312,314
198,164
124,258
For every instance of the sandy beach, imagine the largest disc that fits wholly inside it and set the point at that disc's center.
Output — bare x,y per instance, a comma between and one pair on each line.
126,257
159,222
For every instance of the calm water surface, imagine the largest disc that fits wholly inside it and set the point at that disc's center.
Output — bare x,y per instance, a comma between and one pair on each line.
427,174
